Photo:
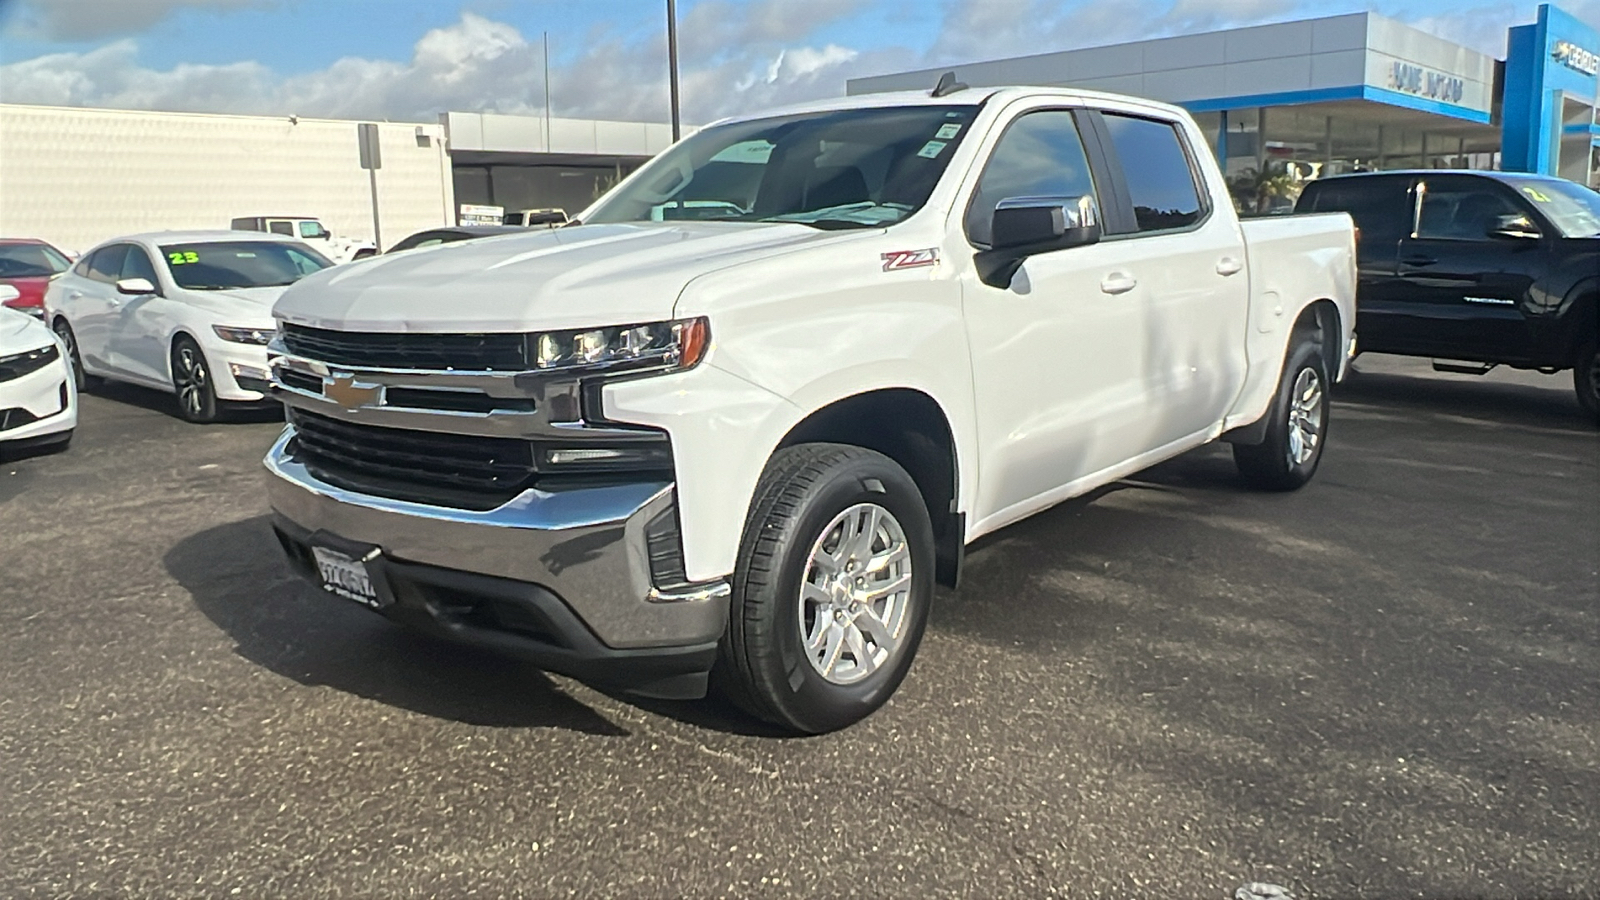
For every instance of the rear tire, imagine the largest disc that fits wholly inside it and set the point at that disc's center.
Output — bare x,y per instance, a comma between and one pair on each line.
1586,379
191,380
1298,428
831,590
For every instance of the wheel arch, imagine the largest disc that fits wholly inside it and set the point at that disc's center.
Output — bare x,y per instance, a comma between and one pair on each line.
910,427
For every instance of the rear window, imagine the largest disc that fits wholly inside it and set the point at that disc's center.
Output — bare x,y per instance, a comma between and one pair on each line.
30,261
1381,207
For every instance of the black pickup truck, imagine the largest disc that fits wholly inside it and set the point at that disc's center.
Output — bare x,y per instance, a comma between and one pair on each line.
1475,269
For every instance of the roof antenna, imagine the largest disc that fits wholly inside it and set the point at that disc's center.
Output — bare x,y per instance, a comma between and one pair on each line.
947,85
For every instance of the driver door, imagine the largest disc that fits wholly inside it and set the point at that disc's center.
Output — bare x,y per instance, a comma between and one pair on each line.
1466,292
1056,354
139,331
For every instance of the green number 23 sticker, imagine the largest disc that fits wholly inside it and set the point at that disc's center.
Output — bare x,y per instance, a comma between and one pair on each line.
180,257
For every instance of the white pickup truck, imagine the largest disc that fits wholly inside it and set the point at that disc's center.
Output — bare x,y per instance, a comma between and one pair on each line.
664,448
313,232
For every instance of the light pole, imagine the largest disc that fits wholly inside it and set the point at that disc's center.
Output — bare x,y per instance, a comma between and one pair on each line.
672,61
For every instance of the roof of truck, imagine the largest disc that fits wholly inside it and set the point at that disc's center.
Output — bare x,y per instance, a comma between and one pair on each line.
964,97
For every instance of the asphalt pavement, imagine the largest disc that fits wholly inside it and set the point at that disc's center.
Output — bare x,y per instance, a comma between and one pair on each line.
1384,685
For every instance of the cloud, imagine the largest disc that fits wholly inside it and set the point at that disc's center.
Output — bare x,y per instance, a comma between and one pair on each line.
79,20
735,57
763,57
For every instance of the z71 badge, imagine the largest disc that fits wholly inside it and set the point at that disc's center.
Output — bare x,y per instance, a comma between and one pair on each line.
910,259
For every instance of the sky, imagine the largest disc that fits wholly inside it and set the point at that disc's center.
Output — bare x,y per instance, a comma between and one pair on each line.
409,60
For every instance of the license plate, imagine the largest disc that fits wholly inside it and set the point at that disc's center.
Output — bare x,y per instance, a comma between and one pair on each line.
345,577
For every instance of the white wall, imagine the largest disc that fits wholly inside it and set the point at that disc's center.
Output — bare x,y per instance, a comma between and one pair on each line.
76,177
526,134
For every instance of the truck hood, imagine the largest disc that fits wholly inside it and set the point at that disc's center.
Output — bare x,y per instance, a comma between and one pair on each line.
548,279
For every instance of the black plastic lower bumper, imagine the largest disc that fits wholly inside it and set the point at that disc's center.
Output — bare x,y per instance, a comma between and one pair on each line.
515,618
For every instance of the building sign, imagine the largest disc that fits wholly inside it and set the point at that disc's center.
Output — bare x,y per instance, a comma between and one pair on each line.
1576,58
1414,79
471,214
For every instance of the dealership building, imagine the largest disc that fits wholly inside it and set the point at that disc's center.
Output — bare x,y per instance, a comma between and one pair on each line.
1347,93
76,176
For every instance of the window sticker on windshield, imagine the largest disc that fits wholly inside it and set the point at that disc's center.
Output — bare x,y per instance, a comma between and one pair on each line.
931,149
1536,195
183,257
243,255
948,130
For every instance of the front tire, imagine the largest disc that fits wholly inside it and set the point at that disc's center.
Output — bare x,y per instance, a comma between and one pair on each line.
831,591
1586,379
191,379
81,379
1298,429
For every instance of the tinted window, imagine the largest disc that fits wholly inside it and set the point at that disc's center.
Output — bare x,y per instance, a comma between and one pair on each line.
1159,175
311,229
1040,155
137,265
1462,212
281,228
1380,206
106,264
223,265
30,261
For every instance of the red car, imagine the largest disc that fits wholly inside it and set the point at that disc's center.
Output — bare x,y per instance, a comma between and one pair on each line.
29,265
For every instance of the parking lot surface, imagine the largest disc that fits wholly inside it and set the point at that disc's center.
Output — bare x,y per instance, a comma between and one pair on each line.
1384,685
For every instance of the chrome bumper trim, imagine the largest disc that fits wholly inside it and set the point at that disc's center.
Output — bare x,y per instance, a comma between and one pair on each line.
586,545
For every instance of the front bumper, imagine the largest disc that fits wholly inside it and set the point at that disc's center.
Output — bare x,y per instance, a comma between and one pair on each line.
558,578
39,405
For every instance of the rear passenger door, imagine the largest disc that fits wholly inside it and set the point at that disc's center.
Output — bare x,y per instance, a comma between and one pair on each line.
93,312
1193,296
1383,209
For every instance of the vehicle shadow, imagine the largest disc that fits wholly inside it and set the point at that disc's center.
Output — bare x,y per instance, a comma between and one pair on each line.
238,579
1504,402
167,404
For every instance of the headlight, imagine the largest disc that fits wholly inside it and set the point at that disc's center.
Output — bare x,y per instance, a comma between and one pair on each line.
259,336
673,345
19,364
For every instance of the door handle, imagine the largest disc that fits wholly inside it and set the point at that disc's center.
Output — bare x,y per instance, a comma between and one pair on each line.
1118,283
1229,266
74,295
1419,260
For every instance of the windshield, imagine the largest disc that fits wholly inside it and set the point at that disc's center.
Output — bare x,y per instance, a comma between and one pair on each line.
31,261
851,168
1573,208
240,264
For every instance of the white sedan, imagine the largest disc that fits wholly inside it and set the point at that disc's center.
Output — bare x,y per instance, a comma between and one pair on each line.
185,312
38,400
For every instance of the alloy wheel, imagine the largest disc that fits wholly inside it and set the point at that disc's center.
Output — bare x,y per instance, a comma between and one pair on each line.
855,593
1306,414
193,380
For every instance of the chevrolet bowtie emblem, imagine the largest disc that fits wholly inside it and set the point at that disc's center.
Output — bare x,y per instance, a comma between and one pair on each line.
341,388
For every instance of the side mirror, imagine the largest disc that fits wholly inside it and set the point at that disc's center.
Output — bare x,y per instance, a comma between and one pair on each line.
9,292
135,286
1037,224
1514,228
1023,226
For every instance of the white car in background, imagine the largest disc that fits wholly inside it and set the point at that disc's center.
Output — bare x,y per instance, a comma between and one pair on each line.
185,312
38,400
